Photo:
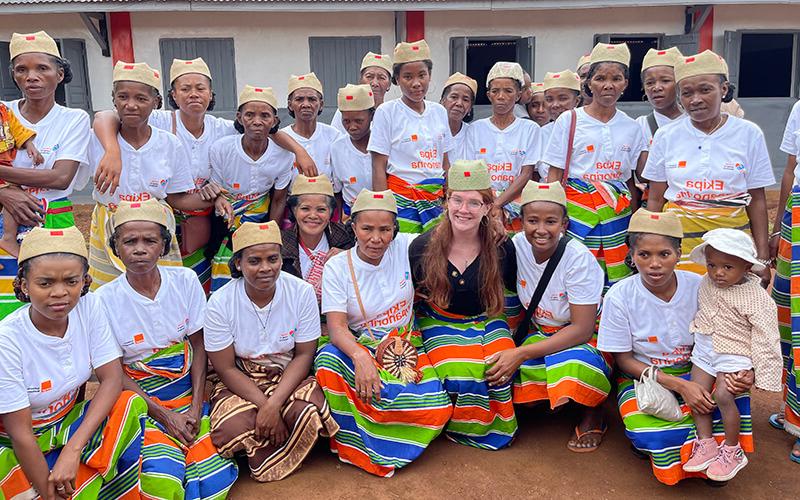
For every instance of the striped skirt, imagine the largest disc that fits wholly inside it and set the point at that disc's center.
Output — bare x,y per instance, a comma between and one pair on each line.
599,213
669,444
170,469
419,206
786,293
305,413
458,347
58,215
109,463
104,266
382,436
197,260
580,373
698,218
243,211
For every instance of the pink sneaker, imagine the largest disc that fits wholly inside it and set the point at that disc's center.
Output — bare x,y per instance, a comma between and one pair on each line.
731,460
704,452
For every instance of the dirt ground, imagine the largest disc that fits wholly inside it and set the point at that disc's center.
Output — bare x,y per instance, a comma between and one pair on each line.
537,463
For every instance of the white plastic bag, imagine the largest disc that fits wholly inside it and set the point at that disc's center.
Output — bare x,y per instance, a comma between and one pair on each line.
655,399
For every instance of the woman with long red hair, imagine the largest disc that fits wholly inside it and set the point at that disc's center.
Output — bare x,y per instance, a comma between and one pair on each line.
461,274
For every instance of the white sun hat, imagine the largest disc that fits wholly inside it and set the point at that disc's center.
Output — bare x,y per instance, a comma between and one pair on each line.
730,241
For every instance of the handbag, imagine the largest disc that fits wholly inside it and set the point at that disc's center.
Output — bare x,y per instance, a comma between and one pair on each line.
655,399
395,354
522,330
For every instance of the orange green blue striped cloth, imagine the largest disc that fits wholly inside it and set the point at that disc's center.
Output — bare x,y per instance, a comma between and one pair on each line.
243,211
419,206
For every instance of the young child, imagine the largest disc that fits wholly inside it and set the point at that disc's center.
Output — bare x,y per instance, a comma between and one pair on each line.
13,136
351,163
736,328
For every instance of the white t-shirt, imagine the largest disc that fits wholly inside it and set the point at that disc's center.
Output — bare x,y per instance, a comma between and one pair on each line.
789,144
542,167
45,372
158,168
352,169
245,178
661,120
63,134
578,280
197,148
305,262
697,166
415,143
386,289
336,122
143,326
601,151
292,316
505,151
459,151
318,147
657,332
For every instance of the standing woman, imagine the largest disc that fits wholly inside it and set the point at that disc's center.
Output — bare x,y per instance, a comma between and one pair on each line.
461,276
410,140
510,146
711,170
383,392
658,80
261,332
376,71
62,136
599,163
252,169
161,335
627,330
562,92
537,109
51,444
557,361
314,238
458,98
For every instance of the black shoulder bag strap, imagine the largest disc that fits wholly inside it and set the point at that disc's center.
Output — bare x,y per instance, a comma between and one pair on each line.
652,123
550,268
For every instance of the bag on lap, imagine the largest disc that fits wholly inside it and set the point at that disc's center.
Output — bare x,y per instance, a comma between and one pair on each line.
655,399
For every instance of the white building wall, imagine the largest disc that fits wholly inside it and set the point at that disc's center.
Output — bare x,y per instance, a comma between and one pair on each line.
738,17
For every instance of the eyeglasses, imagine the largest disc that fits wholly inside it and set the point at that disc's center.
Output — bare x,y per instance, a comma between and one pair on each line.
472,205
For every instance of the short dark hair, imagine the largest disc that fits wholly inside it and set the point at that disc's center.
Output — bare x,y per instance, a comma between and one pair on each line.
166,236
240,128
25,268
236,257
593,69
469,116
294,200
397,68
728,97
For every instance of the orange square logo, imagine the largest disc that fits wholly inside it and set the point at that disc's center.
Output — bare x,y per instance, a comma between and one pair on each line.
138,338
523,283
682,164
483,151
414,138
590,148
235,185
46,386
652,340
352,180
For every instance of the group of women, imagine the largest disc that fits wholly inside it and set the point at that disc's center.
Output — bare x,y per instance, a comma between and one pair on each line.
330,315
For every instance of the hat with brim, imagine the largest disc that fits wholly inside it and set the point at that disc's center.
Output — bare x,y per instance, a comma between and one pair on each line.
661,223
730,241
463,80
374,200
406,52
136,72
254,233
565,79
320,184
41,241
182,67
258,94
143,211
25,43
538,191
468,175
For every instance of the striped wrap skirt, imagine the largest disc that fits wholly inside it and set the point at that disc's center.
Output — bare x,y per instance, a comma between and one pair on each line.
580,373
786,293
419,206
669,444
599,214
243,211
382,436
109,463
458,347
169,468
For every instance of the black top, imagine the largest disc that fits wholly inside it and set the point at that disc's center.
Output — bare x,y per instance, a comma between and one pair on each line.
465,299
338,237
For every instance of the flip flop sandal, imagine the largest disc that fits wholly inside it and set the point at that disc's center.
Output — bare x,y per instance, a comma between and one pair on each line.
775,422
794,458
579,435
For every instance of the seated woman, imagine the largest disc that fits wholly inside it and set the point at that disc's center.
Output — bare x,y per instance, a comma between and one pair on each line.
314,238
460,274
384,394
627,330
261,332
161,335
557,360
51,444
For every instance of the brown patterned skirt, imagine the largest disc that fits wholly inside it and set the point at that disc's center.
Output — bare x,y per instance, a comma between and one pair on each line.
306,414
